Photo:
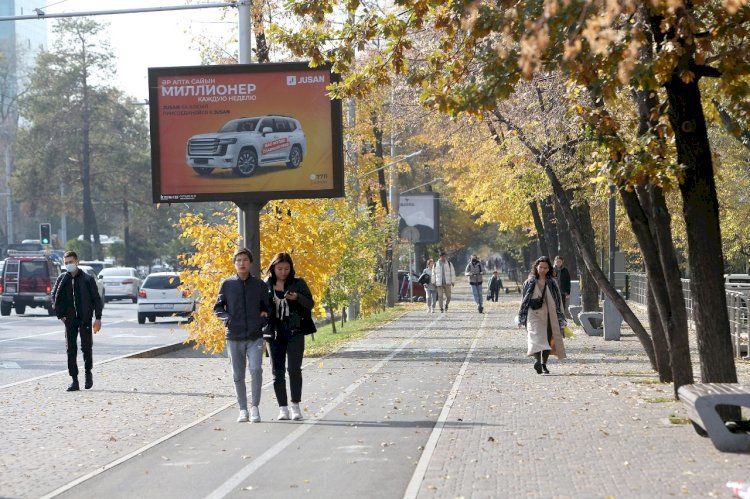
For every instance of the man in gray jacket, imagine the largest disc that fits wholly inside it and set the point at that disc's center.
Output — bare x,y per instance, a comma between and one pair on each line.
243,304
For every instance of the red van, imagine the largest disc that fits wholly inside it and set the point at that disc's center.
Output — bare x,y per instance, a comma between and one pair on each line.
27,281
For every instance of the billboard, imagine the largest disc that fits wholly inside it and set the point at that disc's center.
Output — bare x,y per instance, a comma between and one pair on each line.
418,218
244,132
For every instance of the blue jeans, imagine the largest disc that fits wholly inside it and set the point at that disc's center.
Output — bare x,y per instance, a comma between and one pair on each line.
476,290
246,353
431,296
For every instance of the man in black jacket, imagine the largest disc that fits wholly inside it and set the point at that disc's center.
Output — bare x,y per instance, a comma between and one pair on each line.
243,304
77,302
562,276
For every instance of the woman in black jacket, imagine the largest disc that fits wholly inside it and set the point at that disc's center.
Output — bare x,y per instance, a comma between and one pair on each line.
291,321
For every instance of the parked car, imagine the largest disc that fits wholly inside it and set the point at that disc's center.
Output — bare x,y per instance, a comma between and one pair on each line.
27,281
244,144
99,282
120,283
162,295
97,265
417,290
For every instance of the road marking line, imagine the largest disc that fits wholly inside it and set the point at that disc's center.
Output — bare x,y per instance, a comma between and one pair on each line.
133,454
235,480
424,460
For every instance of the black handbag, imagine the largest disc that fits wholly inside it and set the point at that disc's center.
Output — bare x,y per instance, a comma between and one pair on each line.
536,303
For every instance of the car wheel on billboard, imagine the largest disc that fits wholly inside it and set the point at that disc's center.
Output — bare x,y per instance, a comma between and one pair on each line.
247,162
295,157
204,171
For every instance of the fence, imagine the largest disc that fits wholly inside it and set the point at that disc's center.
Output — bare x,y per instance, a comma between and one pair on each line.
738,296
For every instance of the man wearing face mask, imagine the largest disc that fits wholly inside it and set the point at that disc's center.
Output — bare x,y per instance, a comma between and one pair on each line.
77,302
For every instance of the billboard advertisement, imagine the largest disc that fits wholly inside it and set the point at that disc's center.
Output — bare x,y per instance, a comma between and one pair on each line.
418,218
244,132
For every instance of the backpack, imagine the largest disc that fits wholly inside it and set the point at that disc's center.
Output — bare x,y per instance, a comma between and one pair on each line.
424,278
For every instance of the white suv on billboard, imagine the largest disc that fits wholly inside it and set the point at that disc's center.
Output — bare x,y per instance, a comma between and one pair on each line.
244,144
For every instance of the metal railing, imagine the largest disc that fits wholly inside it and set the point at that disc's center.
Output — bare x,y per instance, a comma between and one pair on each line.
738,297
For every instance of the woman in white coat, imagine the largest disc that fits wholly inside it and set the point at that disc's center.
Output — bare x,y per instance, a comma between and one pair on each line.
545,324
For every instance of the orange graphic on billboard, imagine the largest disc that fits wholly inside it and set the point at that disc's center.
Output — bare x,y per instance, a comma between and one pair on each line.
244,132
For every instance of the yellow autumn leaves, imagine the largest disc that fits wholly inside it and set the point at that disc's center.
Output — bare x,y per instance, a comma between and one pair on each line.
332,245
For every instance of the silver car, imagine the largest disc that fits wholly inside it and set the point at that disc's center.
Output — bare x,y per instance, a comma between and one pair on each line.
120,283
162,295
99,283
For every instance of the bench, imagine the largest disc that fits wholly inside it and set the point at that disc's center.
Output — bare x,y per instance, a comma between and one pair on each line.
586,318
702,401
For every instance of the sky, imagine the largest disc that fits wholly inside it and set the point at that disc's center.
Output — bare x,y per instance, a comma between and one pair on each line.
151,39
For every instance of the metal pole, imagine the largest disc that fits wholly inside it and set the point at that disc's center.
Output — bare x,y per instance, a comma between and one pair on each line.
612,234
9,197
63,218
248,213
40,14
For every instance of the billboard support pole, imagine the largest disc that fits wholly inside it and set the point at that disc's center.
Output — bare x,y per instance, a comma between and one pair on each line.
251,230
248,214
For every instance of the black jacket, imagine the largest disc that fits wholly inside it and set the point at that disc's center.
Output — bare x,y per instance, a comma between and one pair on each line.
65,305
563,279
239,305
300,310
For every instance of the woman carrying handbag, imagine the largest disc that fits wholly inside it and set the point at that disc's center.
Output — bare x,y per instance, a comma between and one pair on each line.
541,314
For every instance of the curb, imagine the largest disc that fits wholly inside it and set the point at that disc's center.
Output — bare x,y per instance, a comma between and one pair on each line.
156,352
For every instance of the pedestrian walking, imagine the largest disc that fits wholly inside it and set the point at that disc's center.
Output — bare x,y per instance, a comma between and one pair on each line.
243,304
291,321
445,279
427,279
494,286
76,303
474,271
542,316
562,276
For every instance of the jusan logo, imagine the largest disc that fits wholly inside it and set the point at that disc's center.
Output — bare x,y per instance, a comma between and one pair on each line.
291,80
311,79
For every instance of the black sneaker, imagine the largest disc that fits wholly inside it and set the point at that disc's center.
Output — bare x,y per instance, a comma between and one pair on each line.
73,387
481,309
89,380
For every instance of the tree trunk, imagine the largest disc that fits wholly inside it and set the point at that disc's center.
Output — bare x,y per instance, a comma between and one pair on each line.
650,220
262,49
567,250
590,260
676,323
539,226
658,336
658,294
701,213
333,319
589,288
89,215
550,226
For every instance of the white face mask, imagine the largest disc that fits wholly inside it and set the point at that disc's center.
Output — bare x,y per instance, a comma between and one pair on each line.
71,267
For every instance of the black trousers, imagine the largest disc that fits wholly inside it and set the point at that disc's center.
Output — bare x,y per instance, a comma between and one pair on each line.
87,341
291,350
494,294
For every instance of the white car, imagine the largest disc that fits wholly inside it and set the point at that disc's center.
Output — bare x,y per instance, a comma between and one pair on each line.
99,283
120,283
162,295
244,144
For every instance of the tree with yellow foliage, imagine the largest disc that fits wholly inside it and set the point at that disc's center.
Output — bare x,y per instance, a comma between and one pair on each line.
330,243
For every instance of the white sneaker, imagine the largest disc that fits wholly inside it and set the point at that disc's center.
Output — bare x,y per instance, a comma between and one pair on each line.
242,418
296,412
254,414
283,413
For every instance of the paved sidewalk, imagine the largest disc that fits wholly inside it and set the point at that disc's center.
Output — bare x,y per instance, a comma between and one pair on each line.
597,427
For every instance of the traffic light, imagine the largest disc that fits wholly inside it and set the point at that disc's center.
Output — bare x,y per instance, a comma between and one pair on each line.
45,233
